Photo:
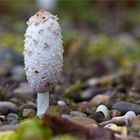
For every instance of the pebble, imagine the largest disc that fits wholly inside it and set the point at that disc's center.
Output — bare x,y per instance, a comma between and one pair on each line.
117,96
89,93
23,92
85,107
131,115
18,73
115,113
28,105
77,113
104,110
13,122
57,110
110,125
114,127
61,103
100,99
3,118
126,119
6,107
102,114
136,122
12,119
98,117
12,116
15,100
65,116
84,121
124,106
28,113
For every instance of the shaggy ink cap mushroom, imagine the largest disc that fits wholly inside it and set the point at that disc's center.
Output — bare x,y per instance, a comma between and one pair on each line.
43,55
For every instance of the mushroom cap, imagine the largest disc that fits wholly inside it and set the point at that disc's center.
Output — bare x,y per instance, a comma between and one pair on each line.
43,51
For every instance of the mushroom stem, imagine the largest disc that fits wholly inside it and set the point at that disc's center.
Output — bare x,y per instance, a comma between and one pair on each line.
42,103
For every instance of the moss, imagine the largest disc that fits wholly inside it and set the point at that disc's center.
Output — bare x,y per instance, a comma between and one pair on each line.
122,53
32,129
8,135
12,41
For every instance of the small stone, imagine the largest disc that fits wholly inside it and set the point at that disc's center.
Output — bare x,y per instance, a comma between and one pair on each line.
3,118
12,116
129,118
115,128
136,123
124,106
12,119
110,126
126,119
115,113
15,100
28,105
102,114
65,116
61,102
23,92
89,93
117,96
18,73
84,121
85,107
98,117
57,110
104,110
77,113
133,96
100,99
28,113
13,122
6,107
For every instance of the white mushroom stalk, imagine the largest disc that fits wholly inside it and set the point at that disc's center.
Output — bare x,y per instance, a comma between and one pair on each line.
43,56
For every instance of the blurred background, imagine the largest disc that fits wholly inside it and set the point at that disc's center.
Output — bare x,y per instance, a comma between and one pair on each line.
100,37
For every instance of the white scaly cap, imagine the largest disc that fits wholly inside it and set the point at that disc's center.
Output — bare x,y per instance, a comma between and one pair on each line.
43,55
43,51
